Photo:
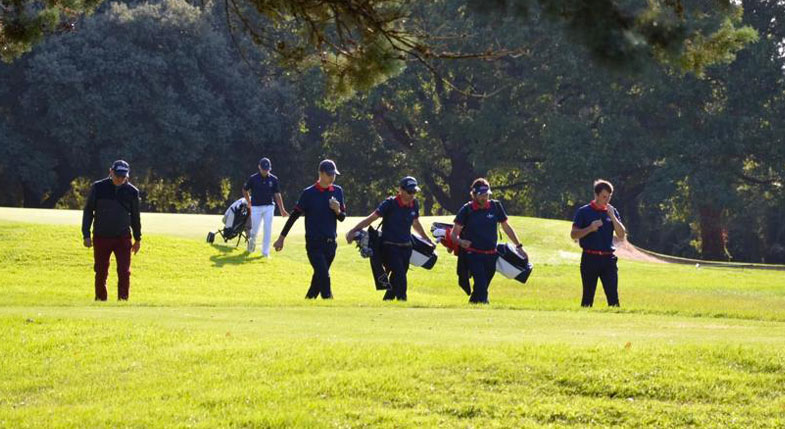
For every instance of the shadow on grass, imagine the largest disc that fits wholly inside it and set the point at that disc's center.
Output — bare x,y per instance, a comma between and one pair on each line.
231,255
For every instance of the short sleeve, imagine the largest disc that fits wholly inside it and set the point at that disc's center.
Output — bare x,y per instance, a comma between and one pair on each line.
416,209
383,208
618,216
578,220
247,185
501,214
463,213
276,189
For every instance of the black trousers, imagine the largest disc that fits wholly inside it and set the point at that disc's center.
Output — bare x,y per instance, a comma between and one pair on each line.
482,268
602,267
320,254
396,259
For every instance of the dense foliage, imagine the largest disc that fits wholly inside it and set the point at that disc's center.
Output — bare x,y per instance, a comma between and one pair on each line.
698,158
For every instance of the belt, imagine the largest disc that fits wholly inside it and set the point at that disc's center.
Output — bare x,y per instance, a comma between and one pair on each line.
597,252
392,243
319,239
482,252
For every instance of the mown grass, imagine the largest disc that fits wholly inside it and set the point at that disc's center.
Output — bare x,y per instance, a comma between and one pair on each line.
216,338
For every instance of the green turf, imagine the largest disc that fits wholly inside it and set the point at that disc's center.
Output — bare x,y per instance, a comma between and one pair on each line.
214,338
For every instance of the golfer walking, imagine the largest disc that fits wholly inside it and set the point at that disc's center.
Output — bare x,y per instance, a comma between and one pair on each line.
594,225
476,232
259,191
399,213
323,205
112,210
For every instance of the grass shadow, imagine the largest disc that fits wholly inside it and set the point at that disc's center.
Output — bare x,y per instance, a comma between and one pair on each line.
231,255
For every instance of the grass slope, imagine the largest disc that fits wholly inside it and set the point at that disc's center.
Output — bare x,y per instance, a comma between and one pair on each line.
213,337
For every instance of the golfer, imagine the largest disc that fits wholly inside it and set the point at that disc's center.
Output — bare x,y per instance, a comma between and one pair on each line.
476,232
594,225
259,191
399,214
323,205
112,210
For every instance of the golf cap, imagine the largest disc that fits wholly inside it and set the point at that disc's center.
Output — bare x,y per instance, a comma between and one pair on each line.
328,166
120,168
409,183
481,188
265,164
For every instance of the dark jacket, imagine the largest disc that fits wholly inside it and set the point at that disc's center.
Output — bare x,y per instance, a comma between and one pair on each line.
115,210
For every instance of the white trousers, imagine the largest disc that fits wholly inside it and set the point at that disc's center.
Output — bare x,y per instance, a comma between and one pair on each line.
258,213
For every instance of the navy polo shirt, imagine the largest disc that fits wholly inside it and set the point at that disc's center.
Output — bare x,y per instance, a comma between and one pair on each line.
602,239
398,218
262,189
480,224
320,220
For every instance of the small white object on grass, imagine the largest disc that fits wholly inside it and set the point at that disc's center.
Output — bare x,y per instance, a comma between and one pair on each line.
698,265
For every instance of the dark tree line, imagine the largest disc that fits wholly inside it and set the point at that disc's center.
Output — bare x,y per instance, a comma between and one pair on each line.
698,159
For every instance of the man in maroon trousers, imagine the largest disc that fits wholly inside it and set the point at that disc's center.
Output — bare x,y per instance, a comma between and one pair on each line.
112,209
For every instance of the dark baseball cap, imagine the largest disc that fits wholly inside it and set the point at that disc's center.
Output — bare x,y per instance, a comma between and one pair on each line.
328,166
121,168
481,188
265,164
409,183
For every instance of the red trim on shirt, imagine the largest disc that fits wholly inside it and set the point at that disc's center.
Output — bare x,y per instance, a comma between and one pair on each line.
476,206
401,203
596,207
319,187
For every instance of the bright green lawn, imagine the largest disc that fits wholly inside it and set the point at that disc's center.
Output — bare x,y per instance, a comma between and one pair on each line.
212,337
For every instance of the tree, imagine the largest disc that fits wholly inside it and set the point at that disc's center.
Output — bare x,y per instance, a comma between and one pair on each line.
360,43
154,84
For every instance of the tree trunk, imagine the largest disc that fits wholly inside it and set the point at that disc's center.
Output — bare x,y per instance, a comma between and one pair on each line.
714,234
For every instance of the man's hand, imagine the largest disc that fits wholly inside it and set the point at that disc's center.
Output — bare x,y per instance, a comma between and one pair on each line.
595,225
136,246
522,252
278,245
335,205
284,213
88,242
350,236
465,243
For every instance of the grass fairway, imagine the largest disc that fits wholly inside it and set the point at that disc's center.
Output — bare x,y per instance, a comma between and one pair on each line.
213,337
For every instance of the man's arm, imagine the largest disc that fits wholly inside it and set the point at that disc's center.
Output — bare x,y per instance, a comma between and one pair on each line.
87,217
136,224
281,208
618,227
420,230
456,232
514,238
278,245
371,218
578,233
338,207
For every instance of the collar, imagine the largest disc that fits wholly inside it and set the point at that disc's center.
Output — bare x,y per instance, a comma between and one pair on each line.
596,207
476,206
320,189
401,203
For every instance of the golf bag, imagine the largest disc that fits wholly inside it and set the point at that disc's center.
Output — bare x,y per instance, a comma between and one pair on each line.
237,223
512,265
369,245
509,263
423,253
